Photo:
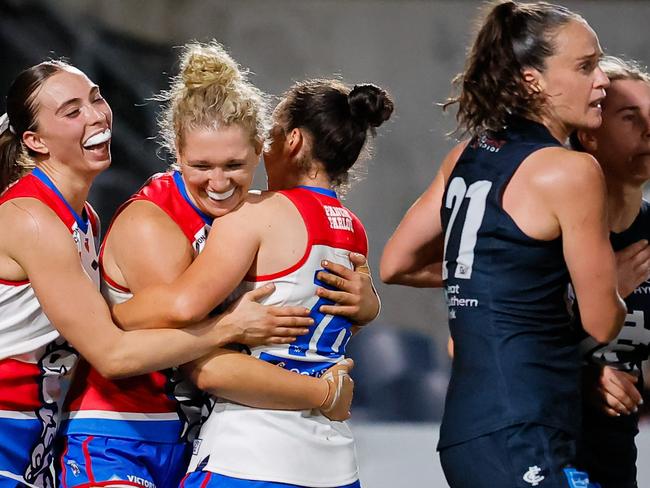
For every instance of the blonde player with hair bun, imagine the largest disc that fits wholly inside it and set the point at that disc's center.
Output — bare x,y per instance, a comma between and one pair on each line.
135,432
54,140
282,238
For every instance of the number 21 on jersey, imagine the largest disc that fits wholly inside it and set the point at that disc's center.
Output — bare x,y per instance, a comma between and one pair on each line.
457,192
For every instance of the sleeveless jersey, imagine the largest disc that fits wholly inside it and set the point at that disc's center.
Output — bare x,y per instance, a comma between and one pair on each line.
515,352
36,363
296,447
156,407
632,346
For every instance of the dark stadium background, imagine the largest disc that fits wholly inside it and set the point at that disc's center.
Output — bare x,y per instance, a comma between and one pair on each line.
411,47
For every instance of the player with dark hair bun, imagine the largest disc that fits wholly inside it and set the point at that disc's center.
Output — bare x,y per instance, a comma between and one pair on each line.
142,428
54,140
284,236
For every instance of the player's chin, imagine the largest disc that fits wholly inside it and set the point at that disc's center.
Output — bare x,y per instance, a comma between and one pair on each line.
593,118
219,208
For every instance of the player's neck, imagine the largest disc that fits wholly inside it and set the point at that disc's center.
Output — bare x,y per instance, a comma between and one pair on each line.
74,187
623,203
316,176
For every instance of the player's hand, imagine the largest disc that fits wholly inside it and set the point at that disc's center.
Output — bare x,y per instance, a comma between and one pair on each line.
336,405
617,392
254,324
633,266
354,297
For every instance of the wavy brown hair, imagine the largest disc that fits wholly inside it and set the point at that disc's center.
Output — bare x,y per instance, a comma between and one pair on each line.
511,37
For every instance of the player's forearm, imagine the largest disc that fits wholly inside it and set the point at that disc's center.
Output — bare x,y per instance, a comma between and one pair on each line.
429,276
152,308
255,383
143,351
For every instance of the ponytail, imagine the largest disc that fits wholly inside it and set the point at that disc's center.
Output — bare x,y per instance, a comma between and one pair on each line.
10,152
512,37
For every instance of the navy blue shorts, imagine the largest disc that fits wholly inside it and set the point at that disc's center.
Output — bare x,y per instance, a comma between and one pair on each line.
205,479
521,456
607,449
90,461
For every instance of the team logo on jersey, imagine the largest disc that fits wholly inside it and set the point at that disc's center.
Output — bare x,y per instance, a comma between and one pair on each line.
196,446
532,476
488,143
74,467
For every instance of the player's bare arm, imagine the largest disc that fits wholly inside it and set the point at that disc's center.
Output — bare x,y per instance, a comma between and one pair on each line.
413,254
87,325
145,247
243,379
197,291
572,185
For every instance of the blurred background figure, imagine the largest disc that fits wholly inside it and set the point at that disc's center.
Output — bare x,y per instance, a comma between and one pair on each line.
411,47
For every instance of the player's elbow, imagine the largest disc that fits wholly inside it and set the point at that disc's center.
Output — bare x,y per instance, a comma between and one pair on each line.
602,334
605,324
113,366
183,310
207,381
114,373
390,270
388,277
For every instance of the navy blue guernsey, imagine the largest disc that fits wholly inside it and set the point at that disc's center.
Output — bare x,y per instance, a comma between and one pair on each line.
632,345
607,450
515,353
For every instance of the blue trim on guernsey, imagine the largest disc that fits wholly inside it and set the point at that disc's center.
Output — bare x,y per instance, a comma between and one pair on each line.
322,191
215,480
151,430
180,184
82,223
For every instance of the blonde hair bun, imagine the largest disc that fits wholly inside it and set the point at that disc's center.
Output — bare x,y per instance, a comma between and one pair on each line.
204,65
210,91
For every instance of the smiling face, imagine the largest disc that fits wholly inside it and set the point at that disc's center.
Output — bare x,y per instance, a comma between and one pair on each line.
573,81
622,143
73,123
218,165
